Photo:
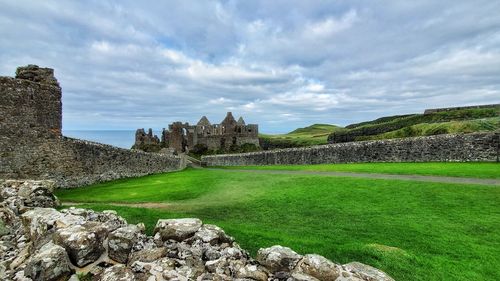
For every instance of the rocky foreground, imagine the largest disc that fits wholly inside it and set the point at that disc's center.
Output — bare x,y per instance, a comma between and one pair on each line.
37,242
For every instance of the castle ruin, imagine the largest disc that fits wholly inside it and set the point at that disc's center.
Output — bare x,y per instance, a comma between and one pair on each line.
183,137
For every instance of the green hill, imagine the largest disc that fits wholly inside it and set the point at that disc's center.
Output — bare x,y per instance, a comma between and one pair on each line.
311,135
453,121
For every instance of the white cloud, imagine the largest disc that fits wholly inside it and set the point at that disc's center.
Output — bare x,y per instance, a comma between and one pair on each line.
124,64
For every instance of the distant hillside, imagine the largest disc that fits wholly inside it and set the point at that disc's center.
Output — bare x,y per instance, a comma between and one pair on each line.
433,123
311,135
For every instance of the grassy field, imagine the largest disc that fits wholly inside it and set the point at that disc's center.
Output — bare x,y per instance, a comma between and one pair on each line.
399,126
455,121
452,169
430,129
412,230
311,135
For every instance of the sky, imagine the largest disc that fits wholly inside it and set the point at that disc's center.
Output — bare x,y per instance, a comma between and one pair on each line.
281,64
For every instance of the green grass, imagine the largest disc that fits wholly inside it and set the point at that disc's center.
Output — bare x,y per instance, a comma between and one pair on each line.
311,135
411,230
429,129
450,169
381,126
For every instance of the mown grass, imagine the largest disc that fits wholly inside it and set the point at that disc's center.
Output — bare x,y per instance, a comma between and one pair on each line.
486,170
412,230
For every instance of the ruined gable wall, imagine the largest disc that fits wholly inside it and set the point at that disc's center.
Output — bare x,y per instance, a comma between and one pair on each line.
447,148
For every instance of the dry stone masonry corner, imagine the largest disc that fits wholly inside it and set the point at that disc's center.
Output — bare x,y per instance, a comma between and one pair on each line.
38,242
32,147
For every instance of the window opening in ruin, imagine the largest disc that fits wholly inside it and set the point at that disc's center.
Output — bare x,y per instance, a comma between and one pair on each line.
234,140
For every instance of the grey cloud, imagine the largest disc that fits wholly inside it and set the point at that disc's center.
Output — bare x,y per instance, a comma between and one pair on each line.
282,64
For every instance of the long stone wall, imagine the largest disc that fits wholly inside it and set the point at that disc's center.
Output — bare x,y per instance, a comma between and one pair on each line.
31,144
461,147
73,163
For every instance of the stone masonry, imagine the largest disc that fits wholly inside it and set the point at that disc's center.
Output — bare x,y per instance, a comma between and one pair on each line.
31,144
183,137
443,148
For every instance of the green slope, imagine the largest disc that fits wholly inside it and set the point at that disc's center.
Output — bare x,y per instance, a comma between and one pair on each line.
311,135
456,121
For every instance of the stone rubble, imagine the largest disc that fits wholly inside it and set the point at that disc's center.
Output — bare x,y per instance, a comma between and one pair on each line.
37,242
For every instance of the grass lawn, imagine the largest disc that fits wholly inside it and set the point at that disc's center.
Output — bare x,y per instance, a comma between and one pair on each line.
411,230
451,169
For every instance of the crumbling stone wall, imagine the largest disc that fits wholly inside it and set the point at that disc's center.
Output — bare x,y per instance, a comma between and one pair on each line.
456,147
183,137
31,144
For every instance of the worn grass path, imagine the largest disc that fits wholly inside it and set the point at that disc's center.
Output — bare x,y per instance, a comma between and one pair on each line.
483,170
419,178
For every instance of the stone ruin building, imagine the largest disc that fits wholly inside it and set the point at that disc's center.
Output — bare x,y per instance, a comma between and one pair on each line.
183,137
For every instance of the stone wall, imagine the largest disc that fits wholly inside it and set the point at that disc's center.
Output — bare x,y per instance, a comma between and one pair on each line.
468,147
31,145
73,163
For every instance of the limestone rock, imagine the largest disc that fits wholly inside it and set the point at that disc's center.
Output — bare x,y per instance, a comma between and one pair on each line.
42,222
253,272
367,272
318,267
147,255
177,229
120,242
212,234
117,273
278,258
51,262
84,243
296,276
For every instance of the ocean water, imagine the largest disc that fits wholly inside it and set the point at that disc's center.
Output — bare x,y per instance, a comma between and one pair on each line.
120,138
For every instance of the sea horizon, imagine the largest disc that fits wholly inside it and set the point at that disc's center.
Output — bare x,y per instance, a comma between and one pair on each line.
119,138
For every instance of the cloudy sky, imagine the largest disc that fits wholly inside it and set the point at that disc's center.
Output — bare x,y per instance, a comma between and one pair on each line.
282,64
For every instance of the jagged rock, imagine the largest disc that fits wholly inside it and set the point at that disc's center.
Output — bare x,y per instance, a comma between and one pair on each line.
40,223
212,234
296,276
177,229
214,277
251,271
278,258
84,243
120,242
147,255
367,272
117,273
51,262
318,267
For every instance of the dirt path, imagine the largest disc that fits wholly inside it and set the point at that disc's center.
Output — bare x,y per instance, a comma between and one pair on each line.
148,205
420,178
